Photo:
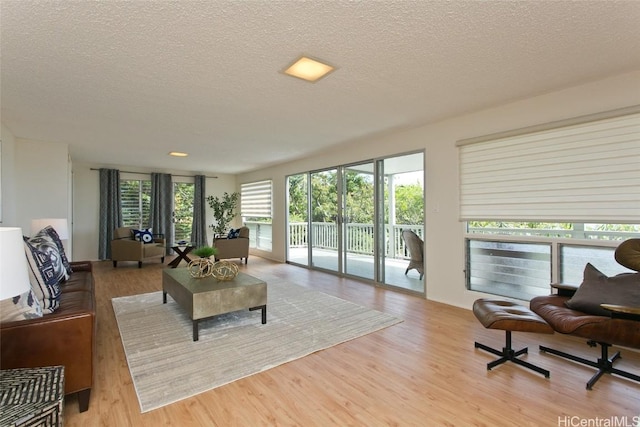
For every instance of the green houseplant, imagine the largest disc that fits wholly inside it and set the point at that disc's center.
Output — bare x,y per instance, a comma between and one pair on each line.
205,251
223,211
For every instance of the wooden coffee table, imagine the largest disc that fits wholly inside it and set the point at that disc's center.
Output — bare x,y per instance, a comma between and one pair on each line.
208,297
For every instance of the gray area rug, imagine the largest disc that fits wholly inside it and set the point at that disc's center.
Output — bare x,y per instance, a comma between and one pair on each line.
167,366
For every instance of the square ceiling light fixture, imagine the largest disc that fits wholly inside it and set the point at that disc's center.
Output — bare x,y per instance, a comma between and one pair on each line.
308,69
178,154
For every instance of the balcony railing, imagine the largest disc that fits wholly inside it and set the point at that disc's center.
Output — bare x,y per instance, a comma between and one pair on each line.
359,238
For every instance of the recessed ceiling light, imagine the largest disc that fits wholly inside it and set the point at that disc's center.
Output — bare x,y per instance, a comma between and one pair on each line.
308,69
178,154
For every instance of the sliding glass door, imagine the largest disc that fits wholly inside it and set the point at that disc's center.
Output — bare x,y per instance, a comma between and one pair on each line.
298,219
349,220
358,220
401,207
324,230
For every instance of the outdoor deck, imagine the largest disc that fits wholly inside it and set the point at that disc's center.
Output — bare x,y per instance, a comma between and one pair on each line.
362,266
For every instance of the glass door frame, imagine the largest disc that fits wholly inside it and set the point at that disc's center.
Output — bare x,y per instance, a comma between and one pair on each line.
337,220
380,268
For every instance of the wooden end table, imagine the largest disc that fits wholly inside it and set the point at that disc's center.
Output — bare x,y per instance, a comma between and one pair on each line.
182,251
32,396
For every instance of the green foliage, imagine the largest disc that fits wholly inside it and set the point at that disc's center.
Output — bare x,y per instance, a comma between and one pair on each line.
359,197
183,205
360,188
223,210
628,228
554,229
324,197
521,225
298,198
205,251
409,204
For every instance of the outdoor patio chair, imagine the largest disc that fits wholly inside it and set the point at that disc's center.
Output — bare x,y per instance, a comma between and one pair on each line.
415,245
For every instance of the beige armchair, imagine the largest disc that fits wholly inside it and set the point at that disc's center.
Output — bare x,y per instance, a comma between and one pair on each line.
125,248
233,248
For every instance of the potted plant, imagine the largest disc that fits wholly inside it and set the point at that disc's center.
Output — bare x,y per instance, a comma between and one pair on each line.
205,251
223,211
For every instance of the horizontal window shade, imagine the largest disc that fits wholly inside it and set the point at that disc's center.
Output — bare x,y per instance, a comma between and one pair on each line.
587,172
255,199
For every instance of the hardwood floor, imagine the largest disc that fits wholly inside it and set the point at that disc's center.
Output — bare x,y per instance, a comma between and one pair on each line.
424,371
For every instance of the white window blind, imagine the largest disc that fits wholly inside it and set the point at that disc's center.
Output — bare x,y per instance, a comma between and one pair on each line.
585,172
255,199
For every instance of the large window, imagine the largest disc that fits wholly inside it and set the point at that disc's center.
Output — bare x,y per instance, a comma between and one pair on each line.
255,209
135,199
520,260
541,203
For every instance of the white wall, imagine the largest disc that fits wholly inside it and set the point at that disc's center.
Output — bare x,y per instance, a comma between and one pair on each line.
444,239
41,178
86,201
35,181
9,201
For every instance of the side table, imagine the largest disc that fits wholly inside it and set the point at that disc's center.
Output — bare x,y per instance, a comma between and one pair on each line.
181,251
32,396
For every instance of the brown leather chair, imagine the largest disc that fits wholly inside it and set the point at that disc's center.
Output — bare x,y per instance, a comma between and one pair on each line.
619,324
233,248
125,248
415,245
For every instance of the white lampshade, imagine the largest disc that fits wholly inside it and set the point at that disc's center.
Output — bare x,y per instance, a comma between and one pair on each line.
14,276
58,224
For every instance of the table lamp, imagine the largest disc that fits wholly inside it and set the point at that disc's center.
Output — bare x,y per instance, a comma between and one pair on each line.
14,273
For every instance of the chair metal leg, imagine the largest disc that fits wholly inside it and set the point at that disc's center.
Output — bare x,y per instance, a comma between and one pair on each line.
509,354
604,364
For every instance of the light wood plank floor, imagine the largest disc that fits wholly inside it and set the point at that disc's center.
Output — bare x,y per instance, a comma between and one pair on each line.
422,372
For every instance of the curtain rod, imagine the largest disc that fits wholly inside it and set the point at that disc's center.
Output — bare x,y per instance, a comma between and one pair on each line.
149,173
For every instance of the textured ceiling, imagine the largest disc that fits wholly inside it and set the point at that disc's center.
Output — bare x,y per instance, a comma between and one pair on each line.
127,82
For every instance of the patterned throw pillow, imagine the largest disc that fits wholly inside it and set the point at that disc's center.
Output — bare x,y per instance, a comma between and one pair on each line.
144,236
43,277
23,306
47,240
233,233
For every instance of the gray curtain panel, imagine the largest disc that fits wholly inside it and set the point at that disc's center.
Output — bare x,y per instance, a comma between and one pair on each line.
199,227
161,206
110,213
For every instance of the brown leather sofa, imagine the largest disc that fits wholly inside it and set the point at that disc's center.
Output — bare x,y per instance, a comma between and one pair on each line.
233,248
65,337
